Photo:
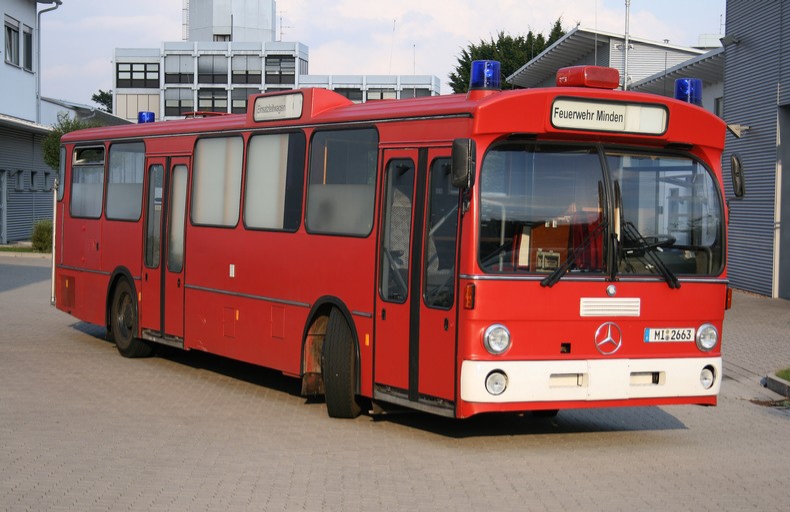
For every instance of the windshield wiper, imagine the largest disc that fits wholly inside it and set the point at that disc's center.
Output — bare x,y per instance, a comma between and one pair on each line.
648,250
552,279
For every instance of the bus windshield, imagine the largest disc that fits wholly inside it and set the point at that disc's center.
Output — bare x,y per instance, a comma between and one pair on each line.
550,209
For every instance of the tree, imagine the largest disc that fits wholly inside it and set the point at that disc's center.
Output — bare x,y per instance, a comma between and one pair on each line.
50,146
104,99
511,52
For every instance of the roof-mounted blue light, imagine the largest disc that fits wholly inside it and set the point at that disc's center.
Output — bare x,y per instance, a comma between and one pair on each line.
145,117
485,75
689,90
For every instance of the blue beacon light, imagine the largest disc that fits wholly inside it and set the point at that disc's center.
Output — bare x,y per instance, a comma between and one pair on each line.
689,90
145,117
485,75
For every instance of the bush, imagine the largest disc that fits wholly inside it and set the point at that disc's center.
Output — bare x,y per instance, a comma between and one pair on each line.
42,236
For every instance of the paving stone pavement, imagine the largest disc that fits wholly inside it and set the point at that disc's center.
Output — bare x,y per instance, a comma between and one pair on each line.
83,429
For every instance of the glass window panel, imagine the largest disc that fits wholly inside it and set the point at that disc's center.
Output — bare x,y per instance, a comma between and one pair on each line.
216,187
154,216
125,181
275,170
396,239
342,182
178,201
442,229
87,191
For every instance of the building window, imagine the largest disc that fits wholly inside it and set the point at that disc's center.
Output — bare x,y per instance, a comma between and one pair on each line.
246,69
280,69
11,41
27,48
212,69
137,75
178,102
354,95
414,92
239,99
212,100
381,94
718,107
179,69
19,185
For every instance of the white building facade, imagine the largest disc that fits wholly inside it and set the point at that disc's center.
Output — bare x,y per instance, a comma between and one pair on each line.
231,52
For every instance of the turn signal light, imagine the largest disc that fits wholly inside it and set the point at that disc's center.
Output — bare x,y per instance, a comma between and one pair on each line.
469,296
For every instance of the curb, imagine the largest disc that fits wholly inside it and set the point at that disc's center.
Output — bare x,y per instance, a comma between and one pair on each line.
778,385
38,255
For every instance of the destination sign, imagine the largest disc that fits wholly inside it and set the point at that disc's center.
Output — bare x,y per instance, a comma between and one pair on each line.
609,117
279,107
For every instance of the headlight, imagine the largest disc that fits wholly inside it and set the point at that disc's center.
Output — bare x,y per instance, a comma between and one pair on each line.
496,382
496,339
707,337
707,377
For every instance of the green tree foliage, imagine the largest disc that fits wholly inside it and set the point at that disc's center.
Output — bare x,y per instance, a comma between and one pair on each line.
104,99
50,146
511,52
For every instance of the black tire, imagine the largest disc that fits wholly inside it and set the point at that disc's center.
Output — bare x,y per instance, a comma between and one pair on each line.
123,322
339,368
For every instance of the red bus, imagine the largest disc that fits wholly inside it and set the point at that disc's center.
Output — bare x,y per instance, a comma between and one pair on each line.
525,250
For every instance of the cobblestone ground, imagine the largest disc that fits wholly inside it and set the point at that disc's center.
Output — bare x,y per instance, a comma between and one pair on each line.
84,429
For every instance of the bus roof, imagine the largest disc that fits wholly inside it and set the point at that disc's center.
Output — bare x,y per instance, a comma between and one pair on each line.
492,111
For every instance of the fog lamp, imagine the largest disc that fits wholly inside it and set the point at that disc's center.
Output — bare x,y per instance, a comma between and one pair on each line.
496,382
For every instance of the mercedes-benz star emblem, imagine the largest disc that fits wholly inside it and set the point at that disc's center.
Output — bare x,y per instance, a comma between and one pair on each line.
608,338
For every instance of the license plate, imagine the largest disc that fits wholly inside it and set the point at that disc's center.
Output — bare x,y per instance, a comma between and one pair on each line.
669,334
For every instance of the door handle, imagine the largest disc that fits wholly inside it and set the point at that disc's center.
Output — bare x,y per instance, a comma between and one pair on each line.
178,283
383,314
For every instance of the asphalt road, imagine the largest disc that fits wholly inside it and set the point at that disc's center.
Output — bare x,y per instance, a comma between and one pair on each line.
83,429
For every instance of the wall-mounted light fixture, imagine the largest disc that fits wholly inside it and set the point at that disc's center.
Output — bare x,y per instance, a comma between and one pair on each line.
728,40
738,129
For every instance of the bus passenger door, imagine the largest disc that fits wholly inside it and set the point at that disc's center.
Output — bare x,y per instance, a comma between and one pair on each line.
415,331
162,304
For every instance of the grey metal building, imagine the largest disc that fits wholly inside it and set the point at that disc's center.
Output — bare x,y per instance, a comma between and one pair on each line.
757,100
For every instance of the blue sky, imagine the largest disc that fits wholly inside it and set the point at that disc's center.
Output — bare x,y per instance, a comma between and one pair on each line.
352,36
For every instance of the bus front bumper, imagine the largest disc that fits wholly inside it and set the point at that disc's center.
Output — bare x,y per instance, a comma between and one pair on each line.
591,380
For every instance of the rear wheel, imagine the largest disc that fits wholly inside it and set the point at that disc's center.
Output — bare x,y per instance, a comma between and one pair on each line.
123,322
339,368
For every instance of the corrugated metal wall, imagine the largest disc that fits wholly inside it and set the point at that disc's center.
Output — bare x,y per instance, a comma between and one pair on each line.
28,183
751,77
644,60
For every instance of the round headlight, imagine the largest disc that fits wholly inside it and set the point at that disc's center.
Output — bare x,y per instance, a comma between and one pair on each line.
496,382
707,377
496,339
707,337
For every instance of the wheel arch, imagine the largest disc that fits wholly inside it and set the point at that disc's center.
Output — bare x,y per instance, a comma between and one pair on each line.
313,338
116,276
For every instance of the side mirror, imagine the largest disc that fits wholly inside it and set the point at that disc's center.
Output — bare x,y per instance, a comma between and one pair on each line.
463,162
736,168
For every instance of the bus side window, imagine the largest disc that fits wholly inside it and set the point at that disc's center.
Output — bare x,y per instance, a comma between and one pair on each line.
341,189
87,182
275,181
442,228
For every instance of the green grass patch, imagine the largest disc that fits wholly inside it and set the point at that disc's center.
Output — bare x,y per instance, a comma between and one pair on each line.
16,248
784,374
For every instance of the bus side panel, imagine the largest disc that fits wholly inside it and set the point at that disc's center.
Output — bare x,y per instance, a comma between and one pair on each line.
249,300
119,242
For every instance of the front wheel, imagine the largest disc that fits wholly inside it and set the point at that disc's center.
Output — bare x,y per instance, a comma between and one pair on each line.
123,322
339,368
